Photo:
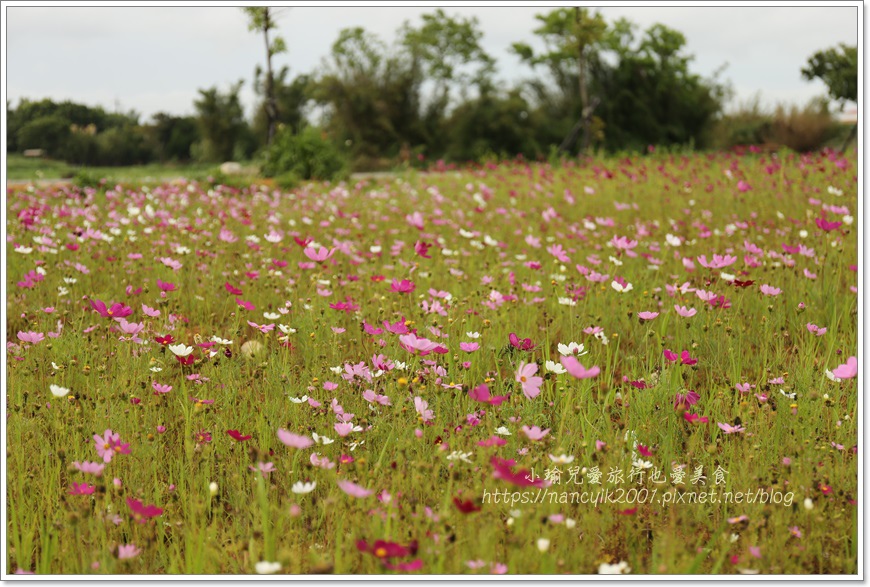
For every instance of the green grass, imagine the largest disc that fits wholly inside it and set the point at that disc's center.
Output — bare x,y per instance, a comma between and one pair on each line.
478,223
20,168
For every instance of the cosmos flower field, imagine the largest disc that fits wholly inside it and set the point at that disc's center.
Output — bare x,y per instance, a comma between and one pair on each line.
642,365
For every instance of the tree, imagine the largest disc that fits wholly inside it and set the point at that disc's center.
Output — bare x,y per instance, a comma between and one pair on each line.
572,39
262,19
221,122
837,67
291,98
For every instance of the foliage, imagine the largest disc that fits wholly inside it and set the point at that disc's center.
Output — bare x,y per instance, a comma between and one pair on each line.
221,123
306,154
837,67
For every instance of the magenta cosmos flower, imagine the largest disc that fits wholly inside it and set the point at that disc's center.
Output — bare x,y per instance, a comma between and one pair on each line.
110,444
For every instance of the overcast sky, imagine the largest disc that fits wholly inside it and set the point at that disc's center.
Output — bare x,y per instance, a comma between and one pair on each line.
155,59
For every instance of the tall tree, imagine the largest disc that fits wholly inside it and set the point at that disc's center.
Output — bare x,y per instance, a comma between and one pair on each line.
572,37
221,122
837,67
261,19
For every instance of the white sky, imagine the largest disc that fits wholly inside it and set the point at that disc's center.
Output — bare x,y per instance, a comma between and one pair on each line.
154,59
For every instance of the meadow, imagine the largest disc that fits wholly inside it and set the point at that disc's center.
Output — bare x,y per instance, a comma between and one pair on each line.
640,365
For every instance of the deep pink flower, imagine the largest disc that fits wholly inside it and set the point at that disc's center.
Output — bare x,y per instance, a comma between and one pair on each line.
503,469
481,394
81,489
690,398
403,286
116,310
142,513
524,345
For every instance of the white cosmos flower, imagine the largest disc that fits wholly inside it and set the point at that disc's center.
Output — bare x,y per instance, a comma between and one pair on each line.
788,395
830,375
271,316
69,280
621,288
302,488
337,370
321,439
727,277
55,366
220,340
23,250
615,261
640,464
286,329
156,369
267,568
562,459
554,367
672,240
180,349
567,302
502,430
621,568
572,348
472,334
459,456
58,391
299,400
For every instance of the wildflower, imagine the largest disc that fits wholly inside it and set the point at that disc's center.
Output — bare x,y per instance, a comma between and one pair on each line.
58,391
531,384
534,433
423,410
160,388
180,350
729,429
126,551
577,370
647,316
353,489
110,444
685,312
554,367
481,394
571,349
848,370
523,345
294,440
236,435
142,513
90,468
81,489
267,568
31,337
263,468
301,488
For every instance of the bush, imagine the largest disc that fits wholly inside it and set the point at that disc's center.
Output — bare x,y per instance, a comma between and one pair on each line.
308,155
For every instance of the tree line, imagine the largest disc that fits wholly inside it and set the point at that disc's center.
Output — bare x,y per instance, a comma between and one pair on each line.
431,93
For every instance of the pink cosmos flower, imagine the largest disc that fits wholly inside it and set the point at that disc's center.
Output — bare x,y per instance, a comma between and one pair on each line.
422,408
686,359
403,286
141,513
150,312
743,387
717,262
524,345
319,255
534,433
469,347
577,370
415,345
690,398
353,489
126,551
81,489
263,468
525,376
294,440
159,388
817,330
264,328
647,315
729,429
323,463
165,285
343,428
31,337
481,394
95,469
685,312
110,444
770,290
848,370
670,355
116,310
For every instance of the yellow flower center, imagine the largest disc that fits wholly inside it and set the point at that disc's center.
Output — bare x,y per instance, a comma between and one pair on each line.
380,552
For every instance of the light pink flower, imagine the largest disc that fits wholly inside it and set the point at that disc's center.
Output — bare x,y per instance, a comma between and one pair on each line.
353,489
294,440
31,337
531,384
685,312
848,370
647,315
534,433
577,370
770,290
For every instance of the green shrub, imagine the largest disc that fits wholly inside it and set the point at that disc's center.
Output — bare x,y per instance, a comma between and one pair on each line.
308,155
